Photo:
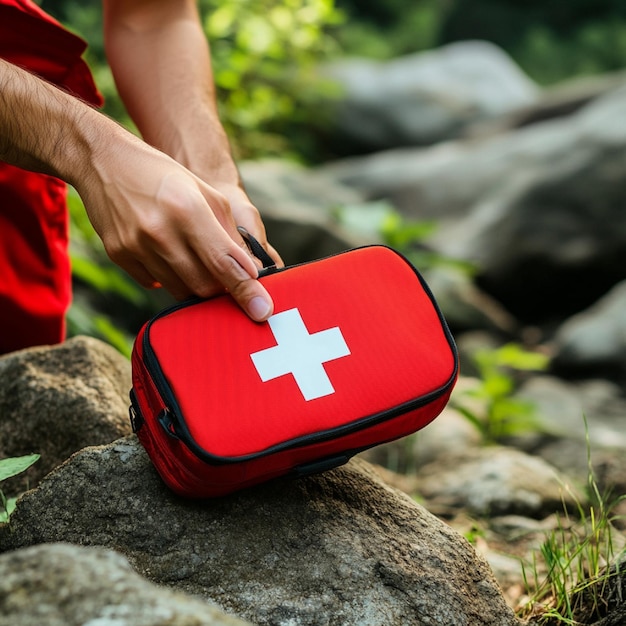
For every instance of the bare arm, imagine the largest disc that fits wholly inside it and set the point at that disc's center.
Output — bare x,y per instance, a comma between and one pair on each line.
157,220
161,63
39,124
162,67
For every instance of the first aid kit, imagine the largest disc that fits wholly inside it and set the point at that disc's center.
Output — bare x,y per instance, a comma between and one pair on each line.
356,354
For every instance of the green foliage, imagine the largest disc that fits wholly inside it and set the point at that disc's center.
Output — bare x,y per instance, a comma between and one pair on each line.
9,468
84,320
499,413
550,40
408,236
380,220
578,563
405,29
594,48
264,57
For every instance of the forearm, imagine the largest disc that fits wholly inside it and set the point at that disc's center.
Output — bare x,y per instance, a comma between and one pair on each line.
38,124
161,63
45,129
157,220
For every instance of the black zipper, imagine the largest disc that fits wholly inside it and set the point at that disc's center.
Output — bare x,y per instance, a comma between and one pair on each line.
179,426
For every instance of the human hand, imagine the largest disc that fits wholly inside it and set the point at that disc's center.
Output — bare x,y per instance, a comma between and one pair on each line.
247,215
157,220
162,224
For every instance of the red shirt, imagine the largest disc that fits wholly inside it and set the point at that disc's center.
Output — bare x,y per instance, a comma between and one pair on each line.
34,40
35,278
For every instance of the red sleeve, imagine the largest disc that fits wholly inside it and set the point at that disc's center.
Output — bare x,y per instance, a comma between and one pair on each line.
33,40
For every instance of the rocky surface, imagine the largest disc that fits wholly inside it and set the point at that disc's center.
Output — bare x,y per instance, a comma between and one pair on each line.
340,548
68,585
426,97
532,195
57,400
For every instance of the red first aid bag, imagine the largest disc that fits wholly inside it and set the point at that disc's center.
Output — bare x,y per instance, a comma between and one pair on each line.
356,354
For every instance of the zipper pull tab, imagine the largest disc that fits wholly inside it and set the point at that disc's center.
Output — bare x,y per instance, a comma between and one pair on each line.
269,265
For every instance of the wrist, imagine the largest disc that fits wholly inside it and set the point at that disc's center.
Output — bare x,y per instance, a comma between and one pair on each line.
95,140
212,161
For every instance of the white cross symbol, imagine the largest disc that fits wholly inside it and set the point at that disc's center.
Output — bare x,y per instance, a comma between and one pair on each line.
299,353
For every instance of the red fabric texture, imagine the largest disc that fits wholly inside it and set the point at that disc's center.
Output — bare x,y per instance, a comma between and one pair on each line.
399,352
35,279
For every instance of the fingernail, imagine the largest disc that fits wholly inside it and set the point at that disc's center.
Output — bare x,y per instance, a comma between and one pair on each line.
259,308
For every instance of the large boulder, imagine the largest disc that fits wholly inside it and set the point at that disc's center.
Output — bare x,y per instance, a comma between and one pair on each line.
493,481
425,97
538,210
338,548
55,400
593,342
66,585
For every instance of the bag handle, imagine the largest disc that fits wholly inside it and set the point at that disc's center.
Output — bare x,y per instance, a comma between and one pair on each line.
269,265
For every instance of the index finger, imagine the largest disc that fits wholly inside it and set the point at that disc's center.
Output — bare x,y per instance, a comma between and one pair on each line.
235,269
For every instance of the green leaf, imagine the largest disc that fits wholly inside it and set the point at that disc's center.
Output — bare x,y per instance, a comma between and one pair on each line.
401,233
107,279
498,385
517,357
14,466
113,335
472,418
220,22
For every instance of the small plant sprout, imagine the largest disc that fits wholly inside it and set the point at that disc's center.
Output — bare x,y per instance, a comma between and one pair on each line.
577,575
501,414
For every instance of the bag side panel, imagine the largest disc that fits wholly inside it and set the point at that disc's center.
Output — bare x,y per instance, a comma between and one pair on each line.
189,476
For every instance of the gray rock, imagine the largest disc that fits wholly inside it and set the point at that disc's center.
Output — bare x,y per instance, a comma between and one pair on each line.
494,481
538,209
297,207
425,97
66,585
577,420
589,410
57,400
338,548
593,342
561,99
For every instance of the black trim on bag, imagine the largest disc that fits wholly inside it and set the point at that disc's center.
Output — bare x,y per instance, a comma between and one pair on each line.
176,423
134,413
316,467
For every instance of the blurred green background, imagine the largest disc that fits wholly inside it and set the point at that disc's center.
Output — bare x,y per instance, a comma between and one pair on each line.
265,56
265,52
